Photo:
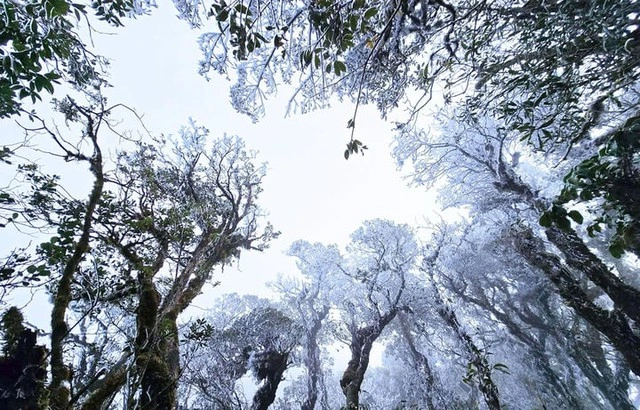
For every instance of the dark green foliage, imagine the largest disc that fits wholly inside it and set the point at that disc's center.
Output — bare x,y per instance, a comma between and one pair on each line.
40,47
611,177
23,367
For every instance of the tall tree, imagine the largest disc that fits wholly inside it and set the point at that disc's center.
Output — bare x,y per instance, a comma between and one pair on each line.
381,259
311,300
481,159
41,46
245,334
157,225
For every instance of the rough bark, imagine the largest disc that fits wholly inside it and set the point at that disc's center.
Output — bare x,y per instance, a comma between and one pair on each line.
579,257
613,324
312,359
271,366
60,373
361,343
104,389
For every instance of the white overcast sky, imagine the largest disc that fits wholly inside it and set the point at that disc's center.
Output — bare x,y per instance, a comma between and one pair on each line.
310,191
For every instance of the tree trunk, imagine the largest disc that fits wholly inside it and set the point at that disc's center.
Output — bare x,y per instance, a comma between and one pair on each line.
476,357
157,383
312,360
271,367
420,363
361,343
559,388
60,373
579,257
613,324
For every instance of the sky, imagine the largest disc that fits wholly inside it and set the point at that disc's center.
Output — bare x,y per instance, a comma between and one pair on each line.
311,192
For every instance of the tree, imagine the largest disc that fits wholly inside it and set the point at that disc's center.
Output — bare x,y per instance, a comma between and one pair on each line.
483,159
40,46
559,81
311,300
374,51
158,225
381,259
243,334
511,296
22,365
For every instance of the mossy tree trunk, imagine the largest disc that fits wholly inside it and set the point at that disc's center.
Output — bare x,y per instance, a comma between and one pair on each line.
60,373
361,343
613,324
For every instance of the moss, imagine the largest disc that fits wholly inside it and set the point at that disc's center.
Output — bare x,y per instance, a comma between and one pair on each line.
158,384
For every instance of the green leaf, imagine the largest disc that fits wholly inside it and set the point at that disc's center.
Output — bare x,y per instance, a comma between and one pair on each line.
346,153
57,7
370,13
223,15
241,8
576,216
563,223
5,272
616,250
545,220
358,4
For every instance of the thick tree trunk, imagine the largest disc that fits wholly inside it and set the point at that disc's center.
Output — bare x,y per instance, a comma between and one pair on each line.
579,257
271,368
361,343
613,324
157,383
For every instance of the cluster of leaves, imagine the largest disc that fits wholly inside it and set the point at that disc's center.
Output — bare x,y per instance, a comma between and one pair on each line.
472,368
611,177
40,47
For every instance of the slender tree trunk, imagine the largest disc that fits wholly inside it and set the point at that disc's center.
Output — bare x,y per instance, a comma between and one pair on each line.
60,373
476,357
312,360
536,347
100,391
421,364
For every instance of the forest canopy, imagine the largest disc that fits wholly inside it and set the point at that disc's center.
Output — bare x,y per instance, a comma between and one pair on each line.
523,115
